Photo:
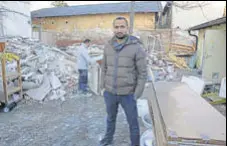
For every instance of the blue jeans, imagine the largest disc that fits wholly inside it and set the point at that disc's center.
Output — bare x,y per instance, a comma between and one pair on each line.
83,79
129,105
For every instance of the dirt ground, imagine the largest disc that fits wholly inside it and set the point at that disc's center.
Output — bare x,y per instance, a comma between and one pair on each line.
79,121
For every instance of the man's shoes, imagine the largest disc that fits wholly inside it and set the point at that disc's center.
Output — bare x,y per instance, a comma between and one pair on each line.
103,142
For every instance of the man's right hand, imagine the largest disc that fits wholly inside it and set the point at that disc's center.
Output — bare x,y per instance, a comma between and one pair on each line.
102,92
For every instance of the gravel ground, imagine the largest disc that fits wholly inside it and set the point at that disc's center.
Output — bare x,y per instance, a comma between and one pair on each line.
221,108
79,121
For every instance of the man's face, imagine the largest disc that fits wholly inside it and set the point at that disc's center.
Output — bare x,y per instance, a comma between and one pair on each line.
88,44
120,29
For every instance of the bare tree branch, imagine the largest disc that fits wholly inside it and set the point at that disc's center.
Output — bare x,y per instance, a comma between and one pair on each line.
201,7
2,10
188,5
59,4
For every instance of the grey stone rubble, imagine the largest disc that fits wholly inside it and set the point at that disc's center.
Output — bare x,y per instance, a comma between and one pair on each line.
47,72
162,68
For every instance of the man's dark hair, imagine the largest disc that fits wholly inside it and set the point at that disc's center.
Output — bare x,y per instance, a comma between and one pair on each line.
121,18
87,41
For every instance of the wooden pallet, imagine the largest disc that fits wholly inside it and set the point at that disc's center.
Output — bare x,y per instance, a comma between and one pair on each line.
6,77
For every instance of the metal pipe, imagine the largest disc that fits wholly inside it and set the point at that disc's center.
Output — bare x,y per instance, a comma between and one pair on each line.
196,37
132,15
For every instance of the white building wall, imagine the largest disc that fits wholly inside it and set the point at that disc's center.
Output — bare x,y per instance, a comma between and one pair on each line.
15,18
189,18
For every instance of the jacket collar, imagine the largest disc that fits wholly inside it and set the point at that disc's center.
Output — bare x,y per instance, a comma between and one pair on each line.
127,41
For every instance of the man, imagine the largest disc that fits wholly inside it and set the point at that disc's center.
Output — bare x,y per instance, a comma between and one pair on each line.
83,60
124,75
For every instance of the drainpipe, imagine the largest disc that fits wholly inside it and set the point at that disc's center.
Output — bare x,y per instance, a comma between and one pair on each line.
196,37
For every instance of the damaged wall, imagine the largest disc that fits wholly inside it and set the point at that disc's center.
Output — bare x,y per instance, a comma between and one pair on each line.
99,36
90,22
15,18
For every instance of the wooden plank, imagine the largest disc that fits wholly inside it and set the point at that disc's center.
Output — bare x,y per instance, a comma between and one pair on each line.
3,61
158,125
2,46
12,75
19,79
12,90
188,117
182,46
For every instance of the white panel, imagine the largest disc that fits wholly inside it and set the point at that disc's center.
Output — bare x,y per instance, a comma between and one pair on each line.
94,78
215,54
15,24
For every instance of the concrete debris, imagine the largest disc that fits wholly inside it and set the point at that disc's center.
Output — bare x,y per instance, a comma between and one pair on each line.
41,92
165,66
29,85
161,66
57,94
93,50
54,81
47,72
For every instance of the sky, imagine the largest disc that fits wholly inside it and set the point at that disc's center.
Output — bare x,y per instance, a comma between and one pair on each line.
35,5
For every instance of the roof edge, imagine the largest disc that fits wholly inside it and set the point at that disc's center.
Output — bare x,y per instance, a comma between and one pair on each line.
218,21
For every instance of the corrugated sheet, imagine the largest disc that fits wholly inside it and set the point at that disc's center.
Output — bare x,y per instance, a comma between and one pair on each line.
146,6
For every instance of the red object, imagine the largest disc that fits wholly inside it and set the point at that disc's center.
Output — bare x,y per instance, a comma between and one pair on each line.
2,47
99,62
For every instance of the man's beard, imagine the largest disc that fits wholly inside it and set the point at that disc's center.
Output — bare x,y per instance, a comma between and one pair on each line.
120,37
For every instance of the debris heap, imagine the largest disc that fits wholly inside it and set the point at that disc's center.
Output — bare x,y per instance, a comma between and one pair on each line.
47,72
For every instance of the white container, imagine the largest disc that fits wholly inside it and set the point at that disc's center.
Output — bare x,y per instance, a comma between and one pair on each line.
142,107
222,92
147,121
147,138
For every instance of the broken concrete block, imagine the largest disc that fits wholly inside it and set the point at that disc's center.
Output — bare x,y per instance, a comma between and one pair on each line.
54,81
29,85
27,75
42,70
62,98
53,96
41,92
60,93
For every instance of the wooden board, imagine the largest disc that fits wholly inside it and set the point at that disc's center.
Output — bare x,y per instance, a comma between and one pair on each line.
186,117
2,46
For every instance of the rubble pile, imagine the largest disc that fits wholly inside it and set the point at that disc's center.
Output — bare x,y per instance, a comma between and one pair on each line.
93,50
47,72
163,66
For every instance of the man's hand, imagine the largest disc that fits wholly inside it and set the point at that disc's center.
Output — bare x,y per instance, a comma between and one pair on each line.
102,92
